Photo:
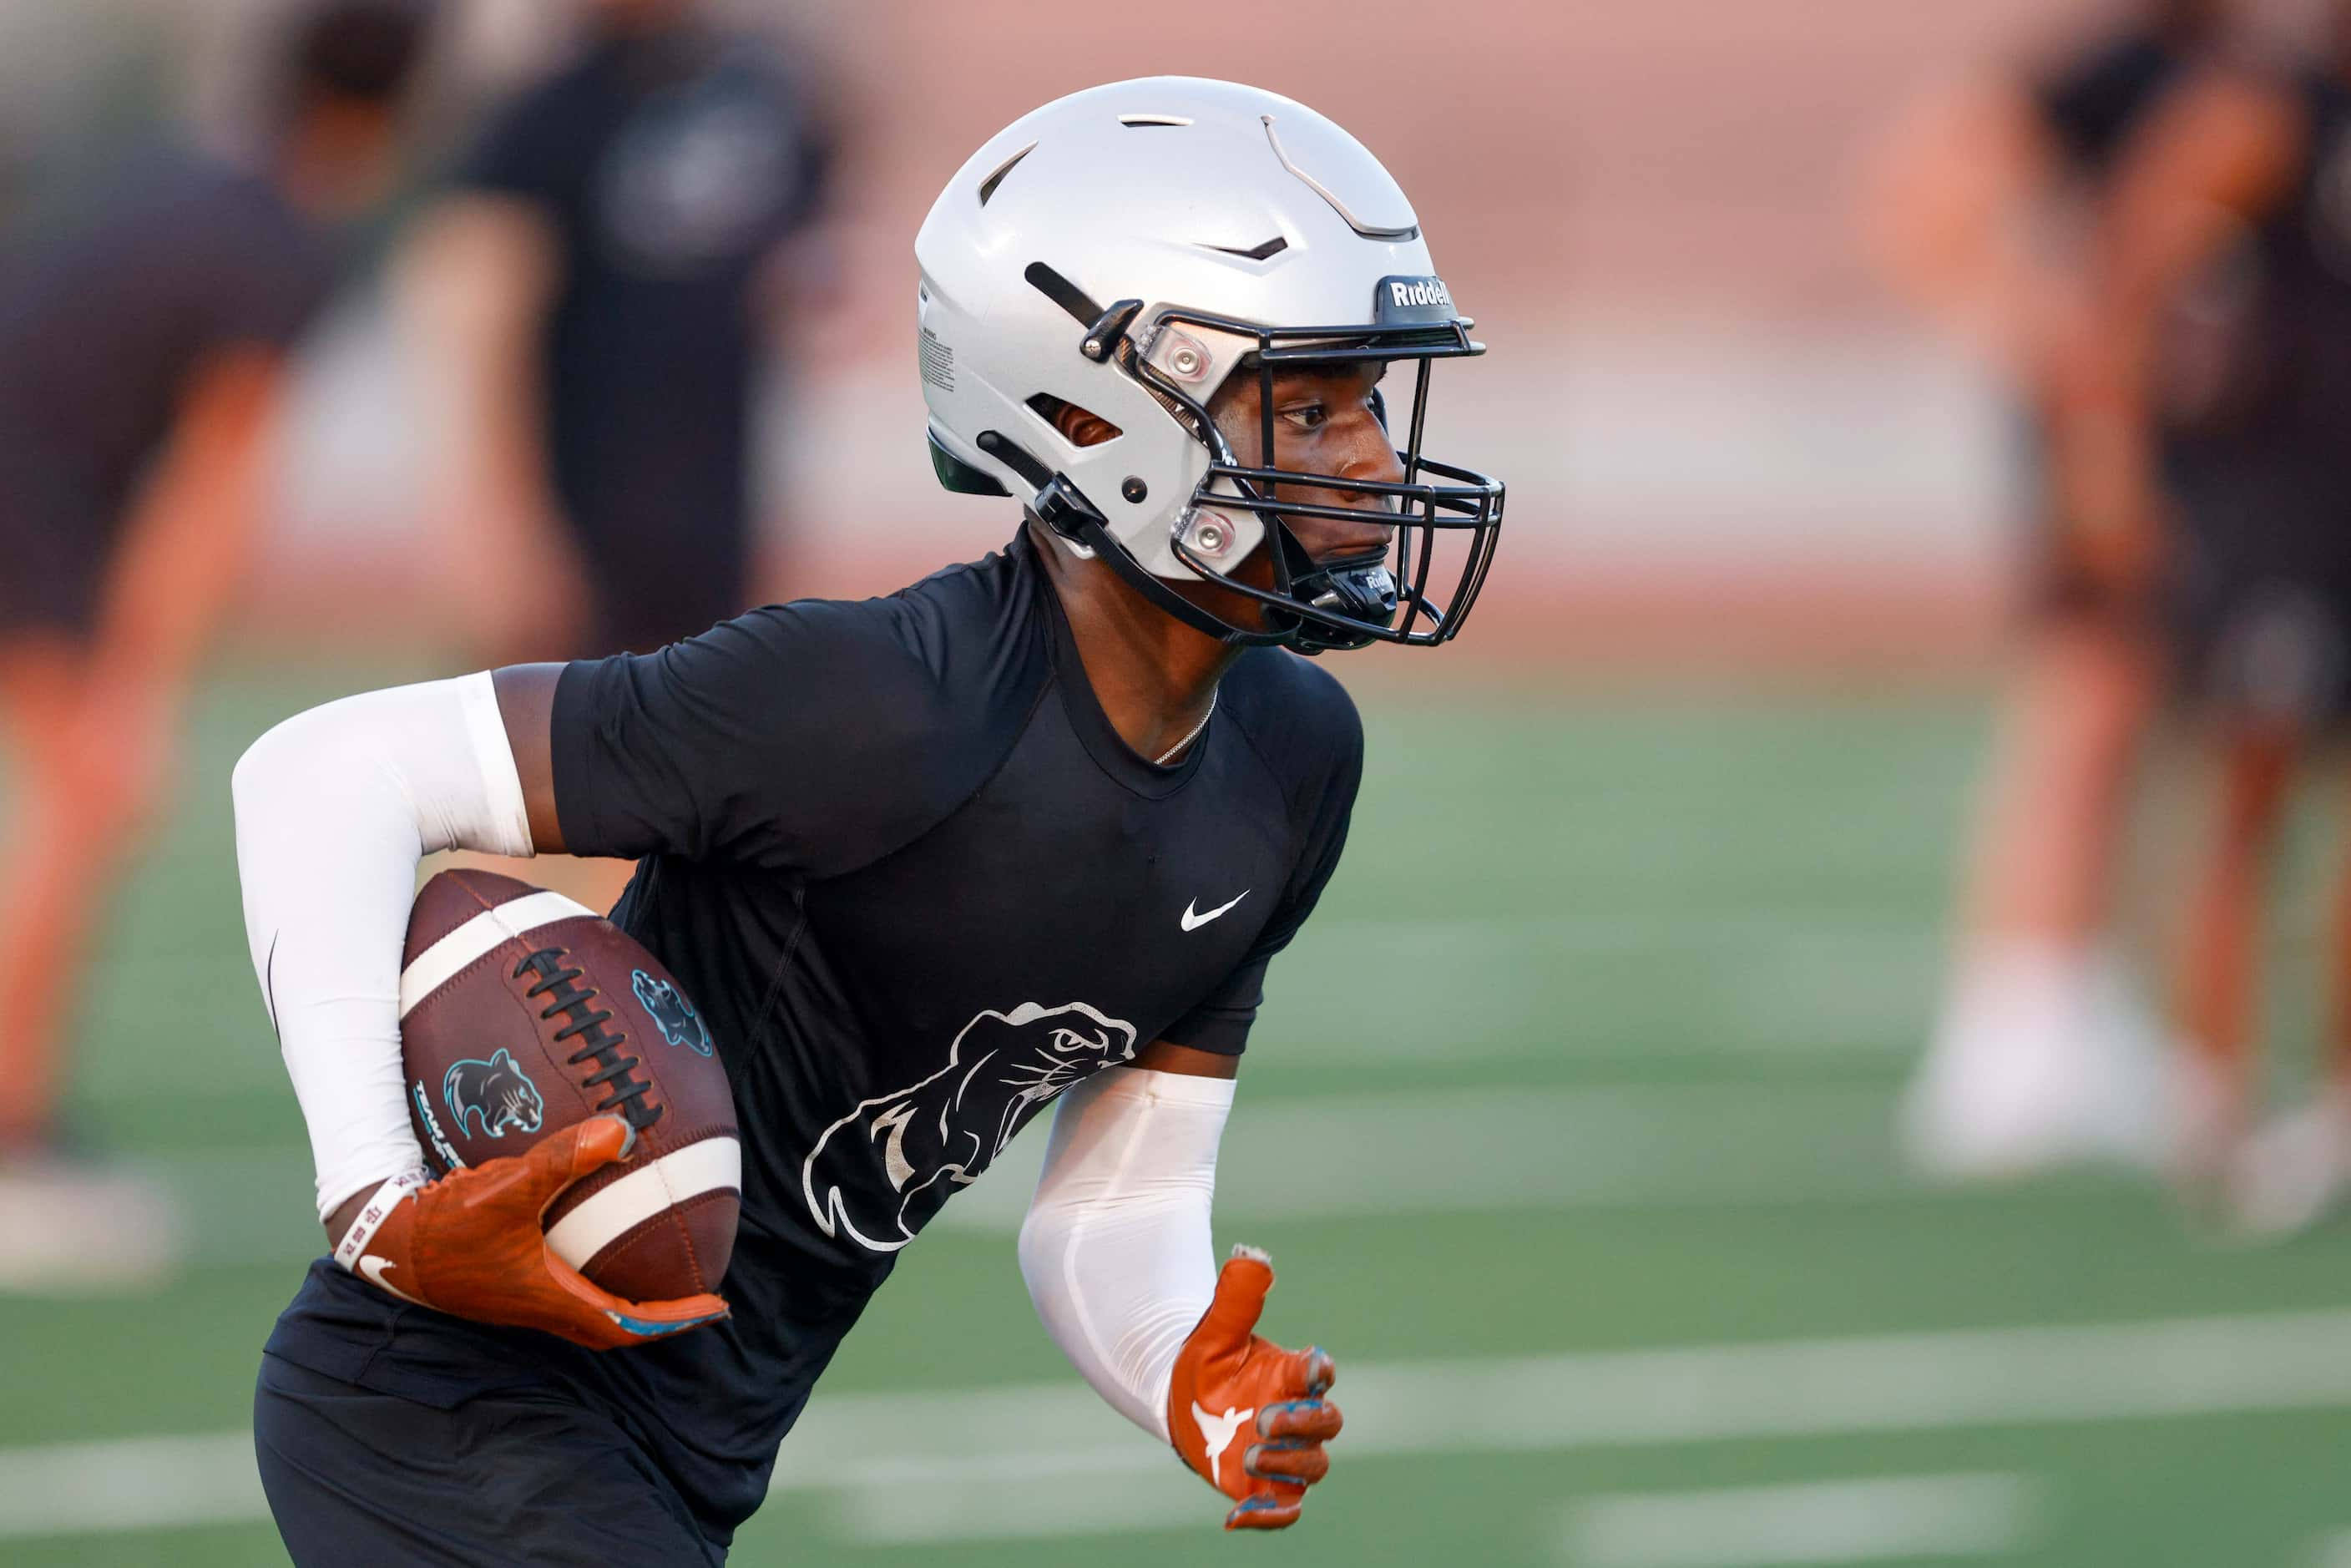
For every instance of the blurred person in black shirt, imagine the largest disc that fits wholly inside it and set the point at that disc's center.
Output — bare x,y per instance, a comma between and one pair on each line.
2219,366
142,364
1986,204
595,292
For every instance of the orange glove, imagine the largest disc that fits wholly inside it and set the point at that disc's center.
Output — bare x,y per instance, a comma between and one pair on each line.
1247,1414
471,1245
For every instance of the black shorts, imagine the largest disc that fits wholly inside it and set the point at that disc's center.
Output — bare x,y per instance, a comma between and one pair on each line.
2259,596
522,1476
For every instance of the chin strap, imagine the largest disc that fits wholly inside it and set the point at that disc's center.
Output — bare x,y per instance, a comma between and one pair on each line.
1096,537
1063,509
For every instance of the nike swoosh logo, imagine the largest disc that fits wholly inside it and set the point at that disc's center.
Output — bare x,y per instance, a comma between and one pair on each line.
1193,921
375,1267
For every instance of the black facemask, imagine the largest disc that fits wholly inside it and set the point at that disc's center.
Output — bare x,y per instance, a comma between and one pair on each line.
1352,604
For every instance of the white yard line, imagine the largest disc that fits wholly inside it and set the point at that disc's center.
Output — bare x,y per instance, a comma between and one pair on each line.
1519,1151
1606,932
1025,1441
1713,988
1391,1156
128,1483
1827,983
1971,1515
1599,931
1032,1507
1610,1399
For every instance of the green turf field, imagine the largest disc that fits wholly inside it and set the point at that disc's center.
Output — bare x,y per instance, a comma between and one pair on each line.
1568,1128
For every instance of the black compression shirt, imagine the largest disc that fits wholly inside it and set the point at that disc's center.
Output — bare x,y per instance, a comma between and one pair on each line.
668,164
916,886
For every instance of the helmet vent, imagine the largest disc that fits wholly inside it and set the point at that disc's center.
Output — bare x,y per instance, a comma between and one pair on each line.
1078,426
1146,122
1063,293
987,187
1266,251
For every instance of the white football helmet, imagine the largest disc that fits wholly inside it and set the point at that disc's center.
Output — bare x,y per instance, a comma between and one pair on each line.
1127,249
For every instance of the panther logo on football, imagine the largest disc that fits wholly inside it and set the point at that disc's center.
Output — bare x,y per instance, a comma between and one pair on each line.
496,1093
680,1024
937,1135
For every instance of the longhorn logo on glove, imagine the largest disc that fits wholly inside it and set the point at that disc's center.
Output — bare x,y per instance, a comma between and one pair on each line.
937,1135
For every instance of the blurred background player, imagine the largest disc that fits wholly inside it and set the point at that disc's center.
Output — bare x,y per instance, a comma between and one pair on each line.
2223,351
595,295
142,361
1984,202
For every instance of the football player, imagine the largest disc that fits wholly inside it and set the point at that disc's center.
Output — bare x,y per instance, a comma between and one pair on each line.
143,358
592,291
2231,216
1985,198
1029,831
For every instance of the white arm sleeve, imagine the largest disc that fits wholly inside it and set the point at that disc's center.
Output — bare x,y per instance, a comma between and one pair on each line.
334,810
1116,1247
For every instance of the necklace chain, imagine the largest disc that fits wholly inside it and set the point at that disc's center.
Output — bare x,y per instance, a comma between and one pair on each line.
1195,733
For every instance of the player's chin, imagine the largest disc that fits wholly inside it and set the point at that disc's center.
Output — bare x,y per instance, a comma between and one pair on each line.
1364,539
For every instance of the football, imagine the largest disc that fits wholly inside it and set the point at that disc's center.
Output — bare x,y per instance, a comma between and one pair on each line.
523,1012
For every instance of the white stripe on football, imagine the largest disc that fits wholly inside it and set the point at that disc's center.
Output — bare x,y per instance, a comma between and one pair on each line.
712,1164
445,959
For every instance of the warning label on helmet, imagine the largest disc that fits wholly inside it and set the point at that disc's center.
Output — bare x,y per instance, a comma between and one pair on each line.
938,361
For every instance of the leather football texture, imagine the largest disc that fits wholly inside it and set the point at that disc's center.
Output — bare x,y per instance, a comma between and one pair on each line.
523,1012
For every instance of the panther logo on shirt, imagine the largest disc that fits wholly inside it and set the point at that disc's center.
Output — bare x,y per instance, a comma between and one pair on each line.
937,1135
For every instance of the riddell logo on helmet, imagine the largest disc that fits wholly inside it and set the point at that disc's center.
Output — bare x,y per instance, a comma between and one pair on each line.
1404,292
